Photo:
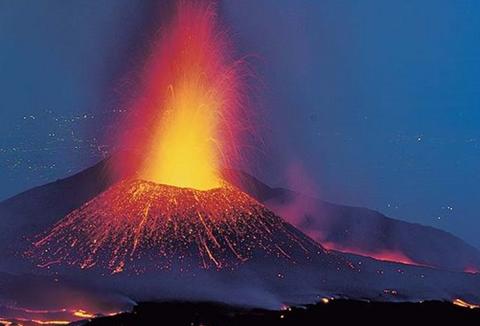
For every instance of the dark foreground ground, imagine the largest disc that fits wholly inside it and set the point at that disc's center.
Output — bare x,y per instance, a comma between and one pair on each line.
337,311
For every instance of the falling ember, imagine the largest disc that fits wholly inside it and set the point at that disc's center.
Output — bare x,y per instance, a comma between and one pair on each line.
188,104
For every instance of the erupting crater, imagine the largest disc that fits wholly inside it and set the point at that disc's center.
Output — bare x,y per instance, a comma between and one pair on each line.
139,226
177,211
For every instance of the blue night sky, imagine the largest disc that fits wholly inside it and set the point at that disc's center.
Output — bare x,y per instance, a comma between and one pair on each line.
378,100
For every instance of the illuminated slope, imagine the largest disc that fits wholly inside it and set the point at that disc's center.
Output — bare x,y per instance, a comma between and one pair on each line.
140,226
362,231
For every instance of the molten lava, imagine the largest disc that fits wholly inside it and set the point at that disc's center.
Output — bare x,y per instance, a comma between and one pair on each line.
176,211
465,304
25,316
140,226
189,101
384,255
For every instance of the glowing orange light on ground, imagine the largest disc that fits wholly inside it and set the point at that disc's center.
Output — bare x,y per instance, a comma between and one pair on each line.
472,270
62,316
139,226
384,255
83,314
464,304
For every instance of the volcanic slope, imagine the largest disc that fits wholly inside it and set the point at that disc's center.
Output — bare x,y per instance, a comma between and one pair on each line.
138,226
134,237
36,210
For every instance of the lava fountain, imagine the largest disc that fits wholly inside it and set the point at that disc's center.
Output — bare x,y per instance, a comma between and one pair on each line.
189,107
177,211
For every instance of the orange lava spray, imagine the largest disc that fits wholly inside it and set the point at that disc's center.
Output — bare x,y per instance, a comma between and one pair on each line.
189,103
174,210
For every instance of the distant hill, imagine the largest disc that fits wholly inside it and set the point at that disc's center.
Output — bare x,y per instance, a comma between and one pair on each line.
361,230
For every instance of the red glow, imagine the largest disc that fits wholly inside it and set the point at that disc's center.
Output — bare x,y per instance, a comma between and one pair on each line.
175,209
138,226
26,316
384,255
186,123
472,270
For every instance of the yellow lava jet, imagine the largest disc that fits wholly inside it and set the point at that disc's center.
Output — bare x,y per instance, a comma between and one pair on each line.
183,152
190,99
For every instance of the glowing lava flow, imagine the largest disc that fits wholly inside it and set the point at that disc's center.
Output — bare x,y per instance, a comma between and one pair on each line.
141,226
177,211
25,316
384,255
189,103
464,304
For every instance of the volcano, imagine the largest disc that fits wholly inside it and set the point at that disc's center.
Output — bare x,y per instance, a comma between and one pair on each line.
141,240
138,226
171,226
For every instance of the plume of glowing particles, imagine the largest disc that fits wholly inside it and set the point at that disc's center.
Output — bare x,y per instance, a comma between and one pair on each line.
189,101
176,210
140,226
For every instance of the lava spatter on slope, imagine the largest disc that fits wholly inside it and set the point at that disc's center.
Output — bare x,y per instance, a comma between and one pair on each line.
140,226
